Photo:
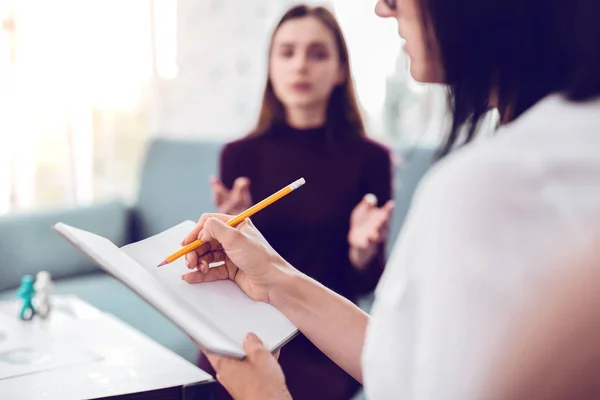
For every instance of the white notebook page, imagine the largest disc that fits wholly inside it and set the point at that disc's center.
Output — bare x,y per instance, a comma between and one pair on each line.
223,302
217,315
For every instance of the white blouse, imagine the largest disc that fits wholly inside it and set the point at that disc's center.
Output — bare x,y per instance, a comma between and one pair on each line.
485,224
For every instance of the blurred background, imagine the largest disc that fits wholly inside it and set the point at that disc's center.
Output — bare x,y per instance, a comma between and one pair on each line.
85,85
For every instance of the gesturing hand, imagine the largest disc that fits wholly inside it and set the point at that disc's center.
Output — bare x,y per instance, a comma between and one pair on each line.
232,201
368,227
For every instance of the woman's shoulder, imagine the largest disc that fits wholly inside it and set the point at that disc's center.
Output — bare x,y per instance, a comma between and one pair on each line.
241,145
527,153
478,183
372,147
475,168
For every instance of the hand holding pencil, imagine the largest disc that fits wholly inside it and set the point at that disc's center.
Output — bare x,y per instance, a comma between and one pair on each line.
250,261
198,245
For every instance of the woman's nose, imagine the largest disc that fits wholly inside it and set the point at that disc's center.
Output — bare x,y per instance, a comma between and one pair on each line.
300,62
382,10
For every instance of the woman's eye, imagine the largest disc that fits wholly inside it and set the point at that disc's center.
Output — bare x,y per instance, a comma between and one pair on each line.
318,54
286,53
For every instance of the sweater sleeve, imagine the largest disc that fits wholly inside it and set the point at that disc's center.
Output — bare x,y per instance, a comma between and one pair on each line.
376,178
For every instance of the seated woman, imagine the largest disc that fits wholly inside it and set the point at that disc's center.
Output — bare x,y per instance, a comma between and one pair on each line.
332,229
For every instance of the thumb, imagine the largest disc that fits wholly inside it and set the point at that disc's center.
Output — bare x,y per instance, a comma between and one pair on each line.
368,201
253,346
241,184
215,229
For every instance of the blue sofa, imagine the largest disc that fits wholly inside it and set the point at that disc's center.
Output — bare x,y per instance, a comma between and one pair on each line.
174,187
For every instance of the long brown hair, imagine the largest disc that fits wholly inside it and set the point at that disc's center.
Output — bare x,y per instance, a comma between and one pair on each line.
343,118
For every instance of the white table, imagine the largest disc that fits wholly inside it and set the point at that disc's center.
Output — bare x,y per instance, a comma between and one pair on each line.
80,352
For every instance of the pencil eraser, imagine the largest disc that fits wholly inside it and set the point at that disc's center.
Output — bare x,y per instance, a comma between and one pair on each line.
295,185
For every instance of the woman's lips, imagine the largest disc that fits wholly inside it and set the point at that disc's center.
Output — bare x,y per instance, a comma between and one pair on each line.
301,86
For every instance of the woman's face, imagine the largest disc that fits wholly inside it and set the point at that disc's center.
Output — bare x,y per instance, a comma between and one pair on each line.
425,62
304,64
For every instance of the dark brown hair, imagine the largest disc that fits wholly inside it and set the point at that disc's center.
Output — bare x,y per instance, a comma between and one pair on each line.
343,118
517,51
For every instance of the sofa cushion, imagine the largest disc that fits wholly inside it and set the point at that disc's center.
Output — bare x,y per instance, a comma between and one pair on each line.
109,295
29,244
175,184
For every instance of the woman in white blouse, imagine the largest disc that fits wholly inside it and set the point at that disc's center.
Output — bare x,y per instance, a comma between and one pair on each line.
485,222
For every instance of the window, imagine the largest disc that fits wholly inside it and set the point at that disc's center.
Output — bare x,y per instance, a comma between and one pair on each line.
76,79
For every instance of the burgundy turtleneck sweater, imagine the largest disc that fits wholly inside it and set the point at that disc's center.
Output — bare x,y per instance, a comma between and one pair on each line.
309,227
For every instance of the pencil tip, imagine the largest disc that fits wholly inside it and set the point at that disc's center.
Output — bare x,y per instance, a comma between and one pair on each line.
162,263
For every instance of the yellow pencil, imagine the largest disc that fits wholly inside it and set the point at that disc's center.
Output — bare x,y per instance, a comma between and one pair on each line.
238,218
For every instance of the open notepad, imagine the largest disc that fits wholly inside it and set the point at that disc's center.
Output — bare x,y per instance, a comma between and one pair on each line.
217,315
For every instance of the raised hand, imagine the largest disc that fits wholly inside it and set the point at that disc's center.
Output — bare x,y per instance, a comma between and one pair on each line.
232,201
368,227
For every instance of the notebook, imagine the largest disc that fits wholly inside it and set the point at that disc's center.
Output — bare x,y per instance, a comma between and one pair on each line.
216,315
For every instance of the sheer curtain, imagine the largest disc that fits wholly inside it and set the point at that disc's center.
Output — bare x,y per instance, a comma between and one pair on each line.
75,78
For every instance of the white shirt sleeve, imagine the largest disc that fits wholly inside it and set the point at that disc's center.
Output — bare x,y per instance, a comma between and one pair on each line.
460,268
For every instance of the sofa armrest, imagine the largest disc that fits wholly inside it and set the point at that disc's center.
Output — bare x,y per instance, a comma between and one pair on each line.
28,244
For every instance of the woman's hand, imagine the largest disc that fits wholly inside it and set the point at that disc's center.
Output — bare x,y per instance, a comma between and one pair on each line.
249,260
368,227
258,377
232,201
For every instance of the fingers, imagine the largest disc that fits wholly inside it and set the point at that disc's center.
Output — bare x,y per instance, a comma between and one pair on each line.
219,191
193,235
208,246
240,184
239,196
201,261
246,198
388,207
370,199
212,257
382,215
254,347
240,190
373,236
191,260
216,229
218,362
219,273
380,226
385,216
368,202
374,222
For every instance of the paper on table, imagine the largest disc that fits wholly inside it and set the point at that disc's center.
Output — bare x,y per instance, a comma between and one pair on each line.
217,315
21,354
28,360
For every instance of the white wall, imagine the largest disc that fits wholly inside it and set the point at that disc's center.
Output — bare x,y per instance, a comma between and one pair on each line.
221,57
